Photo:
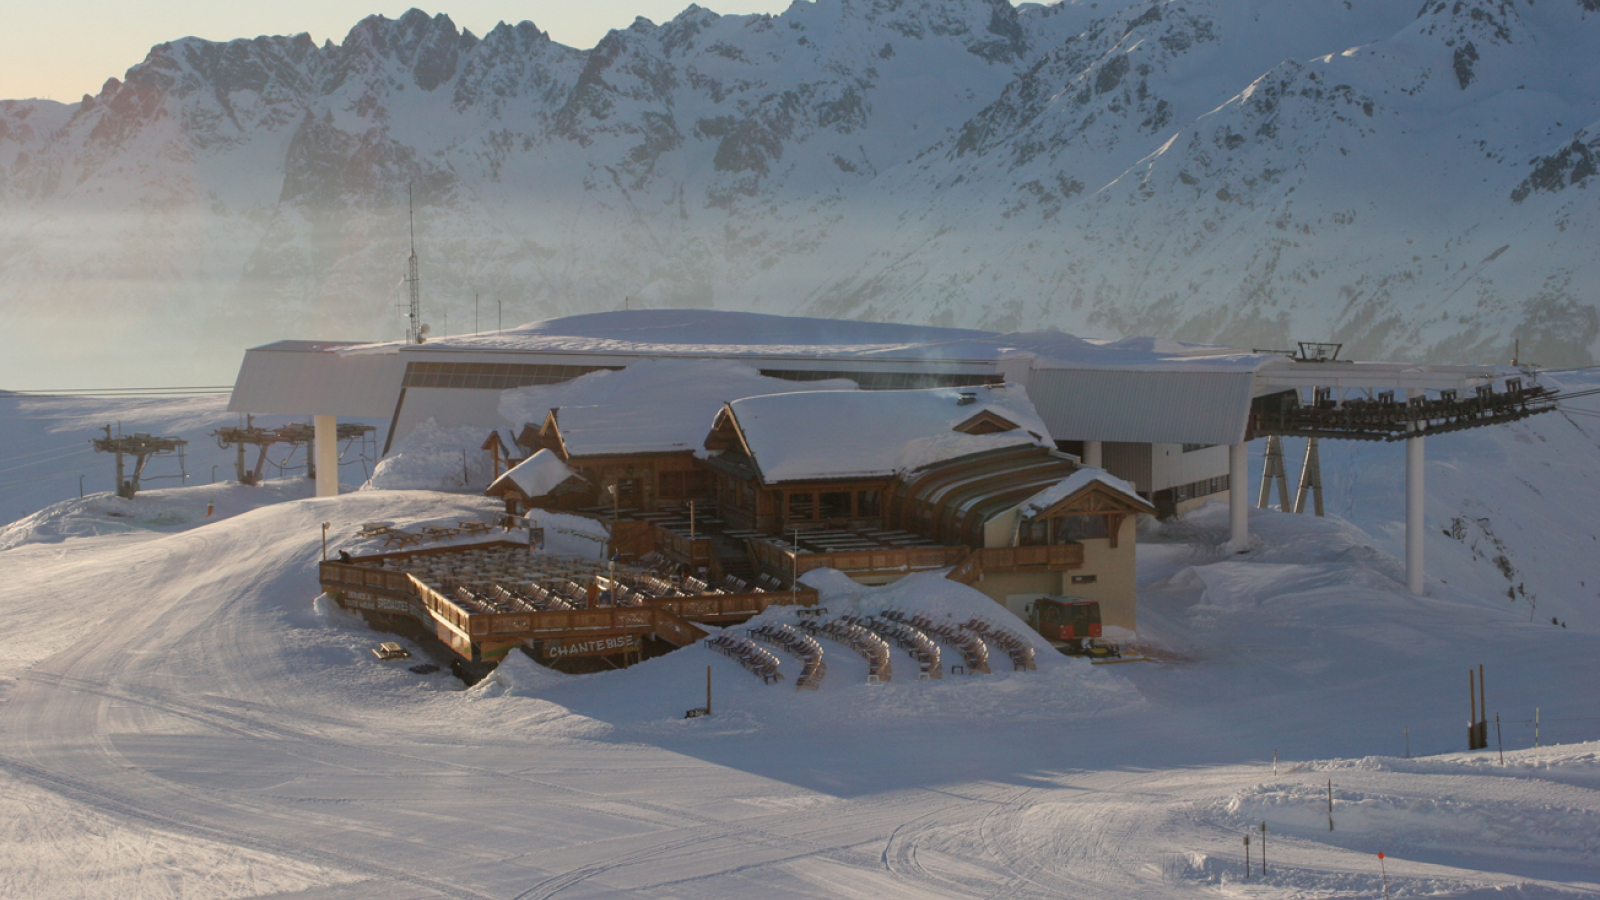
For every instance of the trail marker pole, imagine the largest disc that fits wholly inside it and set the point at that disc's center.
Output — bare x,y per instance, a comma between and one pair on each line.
1385,871
1330,804
1263,847
1499,742
1247,855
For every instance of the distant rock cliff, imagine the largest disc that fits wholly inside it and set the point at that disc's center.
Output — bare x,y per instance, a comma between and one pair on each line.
1417,184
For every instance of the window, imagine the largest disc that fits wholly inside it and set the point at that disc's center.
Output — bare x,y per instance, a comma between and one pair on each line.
835,504
1084,579
801,507
1031,532
866,503
1071,529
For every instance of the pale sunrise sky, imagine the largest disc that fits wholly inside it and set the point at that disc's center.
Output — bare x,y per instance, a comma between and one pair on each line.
63,49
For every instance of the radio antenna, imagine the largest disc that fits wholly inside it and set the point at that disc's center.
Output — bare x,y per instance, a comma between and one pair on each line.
414,332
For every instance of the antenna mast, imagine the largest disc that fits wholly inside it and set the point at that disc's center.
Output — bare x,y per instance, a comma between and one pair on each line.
414,332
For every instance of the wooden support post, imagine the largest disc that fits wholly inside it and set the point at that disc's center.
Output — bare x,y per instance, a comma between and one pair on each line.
1472,712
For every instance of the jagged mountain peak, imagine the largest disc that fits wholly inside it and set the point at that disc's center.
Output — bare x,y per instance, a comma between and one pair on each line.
1244,171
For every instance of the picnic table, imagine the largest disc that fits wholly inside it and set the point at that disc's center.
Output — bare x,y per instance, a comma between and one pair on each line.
473,526
399,537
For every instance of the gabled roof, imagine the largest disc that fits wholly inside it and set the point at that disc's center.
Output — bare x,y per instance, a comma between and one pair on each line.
652,406
1085,491
807,436
506,438
536,476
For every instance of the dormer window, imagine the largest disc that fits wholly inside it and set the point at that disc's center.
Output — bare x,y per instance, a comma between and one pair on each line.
987,422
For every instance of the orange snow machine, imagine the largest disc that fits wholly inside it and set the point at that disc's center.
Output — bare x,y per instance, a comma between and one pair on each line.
1072,626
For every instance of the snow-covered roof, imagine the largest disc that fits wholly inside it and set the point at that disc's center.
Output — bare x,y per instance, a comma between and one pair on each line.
506,436
864,434
724,333
652,406
315,378
1074,483
536,476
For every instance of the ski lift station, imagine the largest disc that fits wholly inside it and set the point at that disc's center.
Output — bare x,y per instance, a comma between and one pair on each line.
849,435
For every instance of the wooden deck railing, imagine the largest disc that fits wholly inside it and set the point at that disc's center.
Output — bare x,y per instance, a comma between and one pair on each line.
1000,560
670,617
773,558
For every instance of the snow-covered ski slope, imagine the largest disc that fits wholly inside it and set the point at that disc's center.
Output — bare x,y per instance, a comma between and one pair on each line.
180,716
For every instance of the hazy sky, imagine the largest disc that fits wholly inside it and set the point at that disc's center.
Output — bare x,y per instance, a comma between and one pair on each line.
63,49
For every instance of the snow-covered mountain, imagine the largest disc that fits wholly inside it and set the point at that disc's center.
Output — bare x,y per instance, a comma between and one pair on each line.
1415,183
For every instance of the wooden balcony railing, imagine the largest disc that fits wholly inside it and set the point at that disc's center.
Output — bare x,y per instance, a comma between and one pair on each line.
1000,560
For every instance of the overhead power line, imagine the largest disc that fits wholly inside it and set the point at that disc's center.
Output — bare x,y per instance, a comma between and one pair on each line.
202,390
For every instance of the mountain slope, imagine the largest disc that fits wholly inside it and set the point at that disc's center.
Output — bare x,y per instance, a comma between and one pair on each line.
1414,183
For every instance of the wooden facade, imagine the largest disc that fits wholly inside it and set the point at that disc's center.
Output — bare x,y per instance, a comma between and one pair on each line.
398,584
964,513
646,480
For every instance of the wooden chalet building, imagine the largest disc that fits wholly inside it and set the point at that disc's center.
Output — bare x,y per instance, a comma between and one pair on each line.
880,483
541,481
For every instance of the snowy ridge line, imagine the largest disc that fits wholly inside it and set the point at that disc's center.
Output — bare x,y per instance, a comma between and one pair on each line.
874,649
919,645
803,646
754,659
974,654
105,801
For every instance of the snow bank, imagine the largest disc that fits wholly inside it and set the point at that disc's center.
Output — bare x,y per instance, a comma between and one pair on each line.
434,458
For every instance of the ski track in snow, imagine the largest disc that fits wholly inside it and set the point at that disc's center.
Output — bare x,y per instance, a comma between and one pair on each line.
179,716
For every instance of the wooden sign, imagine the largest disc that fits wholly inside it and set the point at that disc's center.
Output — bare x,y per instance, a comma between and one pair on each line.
561,649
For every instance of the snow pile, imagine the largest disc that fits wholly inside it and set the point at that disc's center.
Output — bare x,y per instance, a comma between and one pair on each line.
434,458
158,510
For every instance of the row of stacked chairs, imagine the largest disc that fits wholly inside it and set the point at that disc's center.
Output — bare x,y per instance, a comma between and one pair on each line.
479,602
658,587
767,583
921,647
545,599
803,646
1019,649
974,653
874,649
655,561
699,586
733,584
747,654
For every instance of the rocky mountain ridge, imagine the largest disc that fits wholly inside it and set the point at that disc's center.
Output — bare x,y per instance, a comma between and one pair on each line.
1417,184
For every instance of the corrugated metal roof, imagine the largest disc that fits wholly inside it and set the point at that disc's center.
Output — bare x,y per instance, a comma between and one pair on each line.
1144,407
